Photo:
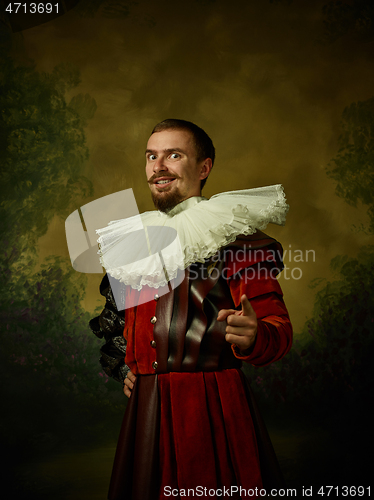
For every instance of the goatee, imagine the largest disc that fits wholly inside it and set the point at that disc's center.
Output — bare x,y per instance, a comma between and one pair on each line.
167,201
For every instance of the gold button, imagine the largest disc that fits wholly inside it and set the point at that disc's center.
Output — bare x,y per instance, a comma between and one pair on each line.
153,320
154,365
153,343
156,297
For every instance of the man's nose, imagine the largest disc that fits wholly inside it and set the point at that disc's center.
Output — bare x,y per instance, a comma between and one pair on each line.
159,164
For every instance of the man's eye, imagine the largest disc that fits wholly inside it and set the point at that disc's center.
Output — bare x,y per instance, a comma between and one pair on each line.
174,155
151,157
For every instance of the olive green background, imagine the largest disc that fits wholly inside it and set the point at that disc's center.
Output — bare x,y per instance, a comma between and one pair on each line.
268,81
254,74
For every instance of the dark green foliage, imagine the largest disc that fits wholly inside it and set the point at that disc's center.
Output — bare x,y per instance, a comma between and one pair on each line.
51,378
330,366
42,155
49,359
353,166
42,150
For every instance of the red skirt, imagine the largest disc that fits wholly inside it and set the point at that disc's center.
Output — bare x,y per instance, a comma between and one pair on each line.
192,431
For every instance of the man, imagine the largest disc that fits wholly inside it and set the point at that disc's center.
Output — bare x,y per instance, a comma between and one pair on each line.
191,426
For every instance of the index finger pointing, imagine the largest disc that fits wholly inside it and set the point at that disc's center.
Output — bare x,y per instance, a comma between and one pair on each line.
247,308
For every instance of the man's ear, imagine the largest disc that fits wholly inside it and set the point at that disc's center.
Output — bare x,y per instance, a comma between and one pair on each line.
205,168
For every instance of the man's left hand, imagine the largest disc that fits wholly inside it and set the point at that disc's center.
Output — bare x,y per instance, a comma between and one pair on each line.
241,325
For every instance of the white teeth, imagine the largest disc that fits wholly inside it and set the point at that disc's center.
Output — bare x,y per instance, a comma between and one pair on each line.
163,182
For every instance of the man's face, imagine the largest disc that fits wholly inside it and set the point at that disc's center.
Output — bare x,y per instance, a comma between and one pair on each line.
173,172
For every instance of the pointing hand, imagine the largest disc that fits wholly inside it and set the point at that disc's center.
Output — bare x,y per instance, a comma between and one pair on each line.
241,325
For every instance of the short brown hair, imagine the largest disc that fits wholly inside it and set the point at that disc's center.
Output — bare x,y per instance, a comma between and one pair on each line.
203,143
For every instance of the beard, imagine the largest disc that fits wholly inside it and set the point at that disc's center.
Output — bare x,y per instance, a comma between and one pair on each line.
167,200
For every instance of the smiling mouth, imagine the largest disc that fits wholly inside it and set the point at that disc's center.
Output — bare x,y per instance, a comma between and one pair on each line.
164,182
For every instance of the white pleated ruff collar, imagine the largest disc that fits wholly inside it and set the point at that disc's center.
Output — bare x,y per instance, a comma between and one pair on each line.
150,248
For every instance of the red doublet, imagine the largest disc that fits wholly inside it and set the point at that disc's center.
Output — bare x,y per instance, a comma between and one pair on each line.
206,431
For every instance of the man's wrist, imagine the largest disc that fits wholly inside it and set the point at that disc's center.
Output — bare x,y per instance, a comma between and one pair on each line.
244,353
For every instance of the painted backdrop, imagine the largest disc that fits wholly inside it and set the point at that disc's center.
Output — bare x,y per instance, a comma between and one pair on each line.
285,89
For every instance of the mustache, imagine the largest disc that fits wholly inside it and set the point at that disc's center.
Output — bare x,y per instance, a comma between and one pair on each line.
155,177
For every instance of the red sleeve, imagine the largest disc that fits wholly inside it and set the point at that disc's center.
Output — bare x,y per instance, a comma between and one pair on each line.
274,331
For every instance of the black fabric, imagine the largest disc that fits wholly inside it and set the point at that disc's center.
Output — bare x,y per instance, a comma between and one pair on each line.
110,325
